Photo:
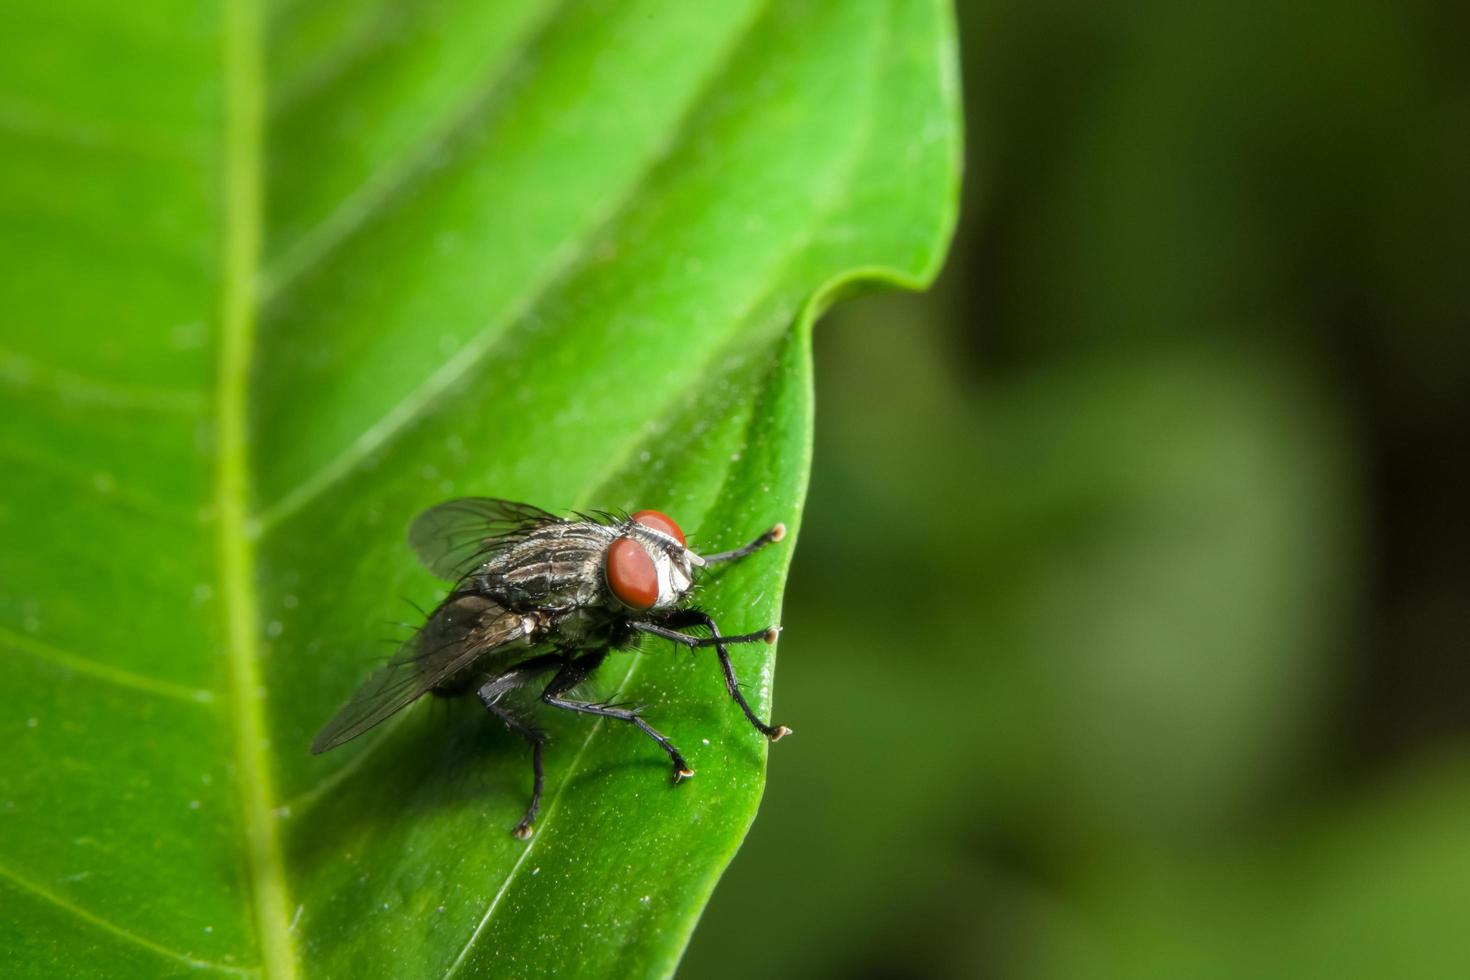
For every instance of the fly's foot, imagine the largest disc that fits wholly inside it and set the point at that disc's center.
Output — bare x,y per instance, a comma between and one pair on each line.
771,633
776,533
682,772
523,830
777,732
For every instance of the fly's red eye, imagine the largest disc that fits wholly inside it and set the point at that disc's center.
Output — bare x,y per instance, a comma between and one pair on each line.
631,575
660,522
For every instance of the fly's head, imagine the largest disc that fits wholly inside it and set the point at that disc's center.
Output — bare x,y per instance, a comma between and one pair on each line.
649,566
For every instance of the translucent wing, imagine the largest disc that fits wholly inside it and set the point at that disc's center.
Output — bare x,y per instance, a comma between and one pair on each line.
453,537
461,631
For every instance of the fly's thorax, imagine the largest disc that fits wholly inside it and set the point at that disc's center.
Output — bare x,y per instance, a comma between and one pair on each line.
555,567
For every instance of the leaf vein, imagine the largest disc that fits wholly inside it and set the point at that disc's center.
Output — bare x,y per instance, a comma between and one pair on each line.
112,927
317,243
330,67
43,126
22,373
488,339
30,646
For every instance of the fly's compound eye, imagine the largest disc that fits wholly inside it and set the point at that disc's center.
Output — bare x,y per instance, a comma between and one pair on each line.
631,574
662,523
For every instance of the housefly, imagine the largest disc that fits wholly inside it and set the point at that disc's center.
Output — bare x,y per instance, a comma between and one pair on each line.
540,598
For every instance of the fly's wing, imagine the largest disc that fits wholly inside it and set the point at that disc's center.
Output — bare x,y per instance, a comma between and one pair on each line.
461,631
454,537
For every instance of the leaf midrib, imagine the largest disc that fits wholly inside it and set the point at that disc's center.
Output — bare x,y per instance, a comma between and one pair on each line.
242,168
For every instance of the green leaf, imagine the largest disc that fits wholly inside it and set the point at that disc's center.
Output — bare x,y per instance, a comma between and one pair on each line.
276,280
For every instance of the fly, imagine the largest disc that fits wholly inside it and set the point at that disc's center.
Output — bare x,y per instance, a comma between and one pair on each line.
538,596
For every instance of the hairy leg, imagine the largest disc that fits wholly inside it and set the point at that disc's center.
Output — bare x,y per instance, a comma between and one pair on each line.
490,694
668,629
575,673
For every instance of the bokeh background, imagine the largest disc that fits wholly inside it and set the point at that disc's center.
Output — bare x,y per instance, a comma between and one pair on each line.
1129,632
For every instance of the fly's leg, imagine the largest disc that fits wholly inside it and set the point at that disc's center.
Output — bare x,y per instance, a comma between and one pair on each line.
490,694
575,673
767,635
693,617
770,537
537,738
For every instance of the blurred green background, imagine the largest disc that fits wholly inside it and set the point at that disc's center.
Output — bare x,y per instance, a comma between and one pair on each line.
1128,631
